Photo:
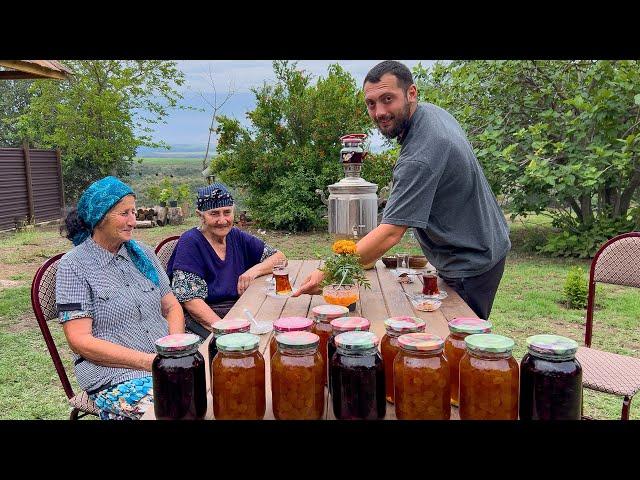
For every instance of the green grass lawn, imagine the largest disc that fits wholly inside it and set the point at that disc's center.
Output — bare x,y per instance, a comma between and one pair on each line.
528,302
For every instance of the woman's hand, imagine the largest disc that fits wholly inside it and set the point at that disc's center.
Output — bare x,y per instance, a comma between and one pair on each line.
245,280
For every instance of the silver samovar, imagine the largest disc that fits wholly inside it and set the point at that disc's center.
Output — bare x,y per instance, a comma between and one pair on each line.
353,202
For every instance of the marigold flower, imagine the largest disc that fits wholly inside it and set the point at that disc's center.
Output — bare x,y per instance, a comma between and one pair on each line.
344,247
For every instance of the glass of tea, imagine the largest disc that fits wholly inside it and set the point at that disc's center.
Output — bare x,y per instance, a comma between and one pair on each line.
430,284
281,276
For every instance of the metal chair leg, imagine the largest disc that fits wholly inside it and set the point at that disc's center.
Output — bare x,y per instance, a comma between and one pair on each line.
626,408
74,414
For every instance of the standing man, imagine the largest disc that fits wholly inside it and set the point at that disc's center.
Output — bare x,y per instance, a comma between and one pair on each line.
439,189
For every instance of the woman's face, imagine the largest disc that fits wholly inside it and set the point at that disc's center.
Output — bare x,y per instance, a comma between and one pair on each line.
118,224
217,221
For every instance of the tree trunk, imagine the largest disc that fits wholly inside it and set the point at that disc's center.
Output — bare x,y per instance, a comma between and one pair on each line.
576,208
627,194
585,209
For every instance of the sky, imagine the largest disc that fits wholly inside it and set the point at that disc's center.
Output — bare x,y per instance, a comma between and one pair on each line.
189,127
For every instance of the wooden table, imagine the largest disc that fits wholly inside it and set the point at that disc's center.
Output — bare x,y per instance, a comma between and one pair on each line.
385,299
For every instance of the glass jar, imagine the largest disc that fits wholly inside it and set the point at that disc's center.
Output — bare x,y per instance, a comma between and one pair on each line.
489,379
342,325
322,316
179,379
454,347
297,381
288,324
422,388
550,379
238,375
225,327
357,377
396,326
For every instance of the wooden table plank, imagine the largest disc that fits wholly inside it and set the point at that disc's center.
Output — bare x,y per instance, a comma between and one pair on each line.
383,300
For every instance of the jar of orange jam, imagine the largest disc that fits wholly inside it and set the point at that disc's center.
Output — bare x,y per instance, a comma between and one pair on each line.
322,316
238,375
288,324
395,326
489,379
454,347
342,325
297,381
421,378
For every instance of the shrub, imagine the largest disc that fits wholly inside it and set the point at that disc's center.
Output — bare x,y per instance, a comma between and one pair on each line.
575,288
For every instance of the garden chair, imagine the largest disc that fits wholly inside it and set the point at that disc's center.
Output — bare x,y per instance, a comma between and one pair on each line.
165,248
43,301
617,262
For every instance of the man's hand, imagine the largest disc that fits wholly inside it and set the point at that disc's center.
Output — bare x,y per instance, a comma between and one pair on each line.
244,281
311,284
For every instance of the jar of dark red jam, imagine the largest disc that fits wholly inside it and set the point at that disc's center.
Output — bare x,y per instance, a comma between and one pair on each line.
322,316
288,324
179,381
357,377
550,379
342,325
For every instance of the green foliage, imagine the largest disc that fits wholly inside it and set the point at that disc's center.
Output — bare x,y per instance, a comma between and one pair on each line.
345,269
14,100
100,117
585,240
292,147
560,137
575,288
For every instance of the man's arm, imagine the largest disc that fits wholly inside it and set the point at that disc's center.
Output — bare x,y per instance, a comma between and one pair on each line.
372,246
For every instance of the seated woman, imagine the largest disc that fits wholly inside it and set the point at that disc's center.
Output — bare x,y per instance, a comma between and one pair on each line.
114,301
213,264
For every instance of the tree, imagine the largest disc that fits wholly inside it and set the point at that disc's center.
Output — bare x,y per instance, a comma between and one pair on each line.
292,147
14,100
101,116
559,138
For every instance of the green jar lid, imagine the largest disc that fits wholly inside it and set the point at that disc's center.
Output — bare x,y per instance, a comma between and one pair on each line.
237,342
297,340
356,340
552,345
404,324
469,325
489,342
420,342
176,343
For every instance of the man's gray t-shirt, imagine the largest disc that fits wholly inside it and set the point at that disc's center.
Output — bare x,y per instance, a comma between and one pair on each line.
440,190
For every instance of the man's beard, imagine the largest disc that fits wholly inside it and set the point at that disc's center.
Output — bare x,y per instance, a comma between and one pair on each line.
400,124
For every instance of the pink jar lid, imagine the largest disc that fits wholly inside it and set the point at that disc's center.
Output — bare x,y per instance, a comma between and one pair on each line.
326,313
349,324
292,324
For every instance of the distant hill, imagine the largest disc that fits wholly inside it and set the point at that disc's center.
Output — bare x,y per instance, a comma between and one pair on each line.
178,150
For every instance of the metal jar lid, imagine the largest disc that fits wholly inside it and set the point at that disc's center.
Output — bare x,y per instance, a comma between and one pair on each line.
356,341
552,346
404,324
297,340
470,325
349,324
292,324
488,342
421,342
326,313
232,325
177,343
237,342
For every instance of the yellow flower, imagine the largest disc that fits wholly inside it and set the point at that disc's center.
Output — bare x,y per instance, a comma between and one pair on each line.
344,246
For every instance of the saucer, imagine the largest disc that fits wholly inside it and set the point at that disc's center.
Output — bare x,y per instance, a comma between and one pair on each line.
271,292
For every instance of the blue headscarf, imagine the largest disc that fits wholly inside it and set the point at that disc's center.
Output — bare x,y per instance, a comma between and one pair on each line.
212,196
94,204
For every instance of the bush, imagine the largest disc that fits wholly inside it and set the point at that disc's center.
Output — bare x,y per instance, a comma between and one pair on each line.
575,288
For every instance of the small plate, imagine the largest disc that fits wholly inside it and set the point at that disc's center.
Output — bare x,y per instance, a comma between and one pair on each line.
427,305
420,297
271,292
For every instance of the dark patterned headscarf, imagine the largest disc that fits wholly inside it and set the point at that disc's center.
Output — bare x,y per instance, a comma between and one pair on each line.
215,195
